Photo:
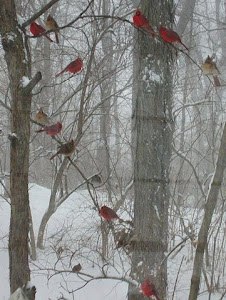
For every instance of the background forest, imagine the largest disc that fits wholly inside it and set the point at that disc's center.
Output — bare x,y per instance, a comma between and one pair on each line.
150,136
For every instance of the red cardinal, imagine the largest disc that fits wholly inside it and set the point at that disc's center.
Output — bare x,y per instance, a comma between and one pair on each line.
170,36
52,130
74,67
108,214
36,30
148,289
141,21
65,149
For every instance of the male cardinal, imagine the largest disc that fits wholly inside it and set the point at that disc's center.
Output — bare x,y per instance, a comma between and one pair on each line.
52,130
108,214
170,36
74,67
141,21
148,289
41,117
210,68
37,29
52,24
65,149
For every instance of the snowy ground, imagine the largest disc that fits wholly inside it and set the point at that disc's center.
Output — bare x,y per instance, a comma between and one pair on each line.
74,227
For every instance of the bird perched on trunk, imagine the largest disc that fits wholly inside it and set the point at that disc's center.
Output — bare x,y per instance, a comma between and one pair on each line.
209,68
41,117
74,67
51,130
170,36
37,30
108,214
148,289
66,149
52,25
141,21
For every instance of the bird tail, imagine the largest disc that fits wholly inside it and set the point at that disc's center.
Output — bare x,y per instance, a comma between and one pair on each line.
184,46
52,157
60,73
216,80
40,130
57,37
48,38
150,31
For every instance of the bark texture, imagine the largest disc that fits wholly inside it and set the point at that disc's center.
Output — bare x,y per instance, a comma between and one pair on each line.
13,46
152,135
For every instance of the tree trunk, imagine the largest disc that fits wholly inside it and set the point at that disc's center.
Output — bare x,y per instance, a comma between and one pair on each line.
106,88
209,209
152,136
13,45
52,204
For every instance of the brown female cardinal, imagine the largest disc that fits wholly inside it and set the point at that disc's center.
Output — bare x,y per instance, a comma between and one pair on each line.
66,149
41,117
141,21
37,29
209,68
52,25
51,130
108,214
170,36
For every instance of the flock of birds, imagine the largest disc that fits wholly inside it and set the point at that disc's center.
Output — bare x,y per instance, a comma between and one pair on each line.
67,149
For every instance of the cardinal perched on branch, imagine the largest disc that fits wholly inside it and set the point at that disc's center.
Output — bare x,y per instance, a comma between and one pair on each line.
141,21
37,29
148,289
74,67
51,130
66,149
108,214
96,180
170,36
41,117
210,68
77,268
52,25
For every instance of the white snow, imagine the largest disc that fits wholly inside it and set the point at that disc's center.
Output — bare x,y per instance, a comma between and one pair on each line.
20,19
29,285
75,227
154,76
18,295
11,36
24,81
13,135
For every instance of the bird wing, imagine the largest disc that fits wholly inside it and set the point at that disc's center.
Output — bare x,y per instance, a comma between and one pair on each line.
173,35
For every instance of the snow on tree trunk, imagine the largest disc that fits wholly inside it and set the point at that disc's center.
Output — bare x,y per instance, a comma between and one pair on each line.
152,128
18,295
13,45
